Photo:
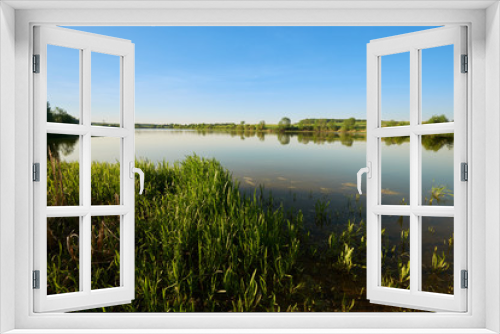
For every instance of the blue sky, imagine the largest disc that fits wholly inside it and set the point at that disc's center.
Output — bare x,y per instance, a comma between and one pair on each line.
233,74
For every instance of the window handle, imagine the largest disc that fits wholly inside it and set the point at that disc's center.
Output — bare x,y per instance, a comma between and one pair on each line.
368,171
134,170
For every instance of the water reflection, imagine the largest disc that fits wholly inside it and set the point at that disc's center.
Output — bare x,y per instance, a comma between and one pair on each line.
62,146
65,144
299,167
284,138
429,142
437,142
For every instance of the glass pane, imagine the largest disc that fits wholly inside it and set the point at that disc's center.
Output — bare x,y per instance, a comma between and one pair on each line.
396,252
105,90
63,170
105,170
63,85
395,89
437,254
63,266
437,84
395,170
437,170
105,252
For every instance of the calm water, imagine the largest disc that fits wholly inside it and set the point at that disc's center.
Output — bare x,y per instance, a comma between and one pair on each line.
293,171
299,169
302,170
302,166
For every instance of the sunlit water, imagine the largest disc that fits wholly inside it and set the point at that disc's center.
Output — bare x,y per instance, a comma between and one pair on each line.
299,170
288,170
303,172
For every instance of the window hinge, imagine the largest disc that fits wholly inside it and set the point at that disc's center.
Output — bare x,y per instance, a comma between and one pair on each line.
36,172
36,279
464,168
465,279
465,64
36,63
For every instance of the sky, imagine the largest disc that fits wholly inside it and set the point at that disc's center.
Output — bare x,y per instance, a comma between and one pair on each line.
233,74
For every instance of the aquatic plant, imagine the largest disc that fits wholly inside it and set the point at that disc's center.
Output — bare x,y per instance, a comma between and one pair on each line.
439,194
202,245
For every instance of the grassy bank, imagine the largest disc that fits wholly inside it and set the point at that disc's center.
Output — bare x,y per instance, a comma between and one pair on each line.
201,245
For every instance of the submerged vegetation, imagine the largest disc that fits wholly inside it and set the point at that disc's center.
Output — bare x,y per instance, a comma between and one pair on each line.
204,245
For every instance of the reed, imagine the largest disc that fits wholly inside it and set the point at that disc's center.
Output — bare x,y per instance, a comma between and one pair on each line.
204,246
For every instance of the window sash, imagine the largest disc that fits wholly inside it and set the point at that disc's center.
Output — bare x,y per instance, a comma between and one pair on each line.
85,298
413,43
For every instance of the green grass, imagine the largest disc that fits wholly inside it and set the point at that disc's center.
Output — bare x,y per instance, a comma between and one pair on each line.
203,246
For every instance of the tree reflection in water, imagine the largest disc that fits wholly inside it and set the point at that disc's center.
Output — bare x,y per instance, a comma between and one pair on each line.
65,144
61,145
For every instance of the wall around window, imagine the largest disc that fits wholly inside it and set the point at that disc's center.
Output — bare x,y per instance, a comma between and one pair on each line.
478,122
492,163
7,160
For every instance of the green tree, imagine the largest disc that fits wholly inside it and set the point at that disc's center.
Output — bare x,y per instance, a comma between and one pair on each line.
284,124
437,119
333,127
349,124
322,124
316,126
59,115
261,126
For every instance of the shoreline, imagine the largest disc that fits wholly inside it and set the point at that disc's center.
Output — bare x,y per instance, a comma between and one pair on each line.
255,131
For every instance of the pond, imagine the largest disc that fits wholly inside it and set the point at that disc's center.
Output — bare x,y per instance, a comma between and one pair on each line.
298,167
302,170
316,174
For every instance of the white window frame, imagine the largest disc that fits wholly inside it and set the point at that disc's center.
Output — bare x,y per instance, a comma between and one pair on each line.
414,43
86,44
483,122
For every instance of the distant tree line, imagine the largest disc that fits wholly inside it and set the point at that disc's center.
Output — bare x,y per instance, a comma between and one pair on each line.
284,125
152,126
331,125
318,125
59,115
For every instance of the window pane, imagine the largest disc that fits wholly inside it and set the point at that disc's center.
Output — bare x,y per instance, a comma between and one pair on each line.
105,252
396,252
63,170
106,171
437,84
395,170
63,266
437,254
63,85
105,89
395,89
437,169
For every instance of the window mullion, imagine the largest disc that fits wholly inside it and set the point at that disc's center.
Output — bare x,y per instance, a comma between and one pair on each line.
86,161
434,129
414,172
422,129
396,131
422,211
